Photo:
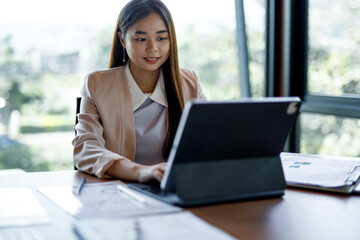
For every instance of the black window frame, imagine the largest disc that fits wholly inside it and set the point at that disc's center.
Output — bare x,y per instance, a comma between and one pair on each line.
286,63
295,69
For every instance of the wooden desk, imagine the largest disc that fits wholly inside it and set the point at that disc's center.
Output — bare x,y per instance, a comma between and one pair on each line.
297,215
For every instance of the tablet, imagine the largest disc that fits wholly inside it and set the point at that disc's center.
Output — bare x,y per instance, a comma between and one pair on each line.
231,136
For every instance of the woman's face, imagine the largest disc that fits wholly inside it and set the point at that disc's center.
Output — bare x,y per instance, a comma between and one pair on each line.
147,44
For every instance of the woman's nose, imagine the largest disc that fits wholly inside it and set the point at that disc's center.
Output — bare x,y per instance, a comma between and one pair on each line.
152,46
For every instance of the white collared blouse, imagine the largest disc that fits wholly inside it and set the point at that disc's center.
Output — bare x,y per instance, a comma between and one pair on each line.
150,120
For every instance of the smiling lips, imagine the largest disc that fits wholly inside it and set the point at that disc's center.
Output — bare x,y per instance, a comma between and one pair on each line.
152,60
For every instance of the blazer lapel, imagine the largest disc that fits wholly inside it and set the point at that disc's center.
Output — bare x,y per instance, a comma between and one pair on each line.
126,116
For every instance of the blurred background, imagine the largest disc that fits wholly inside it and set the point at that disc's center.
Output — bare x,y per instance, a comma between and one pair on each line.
47,47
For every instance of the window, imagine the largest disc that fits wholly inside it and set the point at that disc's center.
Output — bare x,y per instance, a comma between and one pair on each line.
334,52
329,134
255,29
333,70
207,44
46,48
322,66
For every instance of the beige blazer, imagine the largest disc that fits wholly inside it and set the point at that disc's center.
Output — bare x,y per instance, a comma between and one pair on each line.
106,127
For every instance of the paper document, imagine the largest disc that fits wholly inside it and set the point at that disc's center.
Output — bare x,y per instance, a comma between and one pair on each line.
331,172
20,207
21,233
103,199
182,225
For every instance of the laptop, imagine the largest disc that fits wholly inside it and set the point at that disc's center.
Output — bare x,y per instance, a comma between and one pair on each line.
226,151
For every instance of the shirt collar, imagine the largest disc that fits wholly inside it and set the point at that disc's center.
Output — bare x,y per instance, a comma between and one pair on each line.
138,97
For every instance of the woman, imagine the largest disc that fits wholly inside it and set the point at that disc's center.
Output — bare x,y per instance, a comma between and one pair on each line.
129,114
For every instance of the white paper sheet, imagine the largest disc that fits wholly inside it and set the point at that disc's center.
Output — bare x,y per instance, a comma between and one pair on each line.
20,207
183,225
103,199
21,233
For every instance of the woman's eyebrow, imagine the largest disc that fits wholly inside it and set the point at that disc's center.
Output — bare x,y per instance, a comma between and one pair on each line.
162,31
140,32
144,33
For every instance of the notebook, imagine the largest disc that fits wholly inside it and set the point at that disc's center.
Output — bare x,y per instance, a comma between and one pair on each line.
226,151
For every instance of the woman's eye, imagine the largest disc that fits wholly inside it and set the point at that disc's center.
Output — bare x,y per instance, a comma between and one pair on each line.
161,38
141,39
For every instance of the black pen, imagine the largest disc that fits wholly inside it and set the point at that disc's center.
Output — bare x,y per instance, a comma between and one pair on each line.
78,190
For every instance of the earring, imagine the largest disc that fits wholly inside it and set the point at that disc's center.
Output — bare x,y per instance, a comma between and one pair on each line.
124,53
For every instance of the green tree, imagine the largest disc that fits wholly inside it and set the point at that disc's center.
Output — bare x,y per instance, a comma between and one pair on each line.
16,81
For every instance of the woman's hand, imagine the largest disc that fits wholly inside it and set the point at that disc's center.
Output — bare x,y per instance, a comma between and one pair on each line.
125,169
147,173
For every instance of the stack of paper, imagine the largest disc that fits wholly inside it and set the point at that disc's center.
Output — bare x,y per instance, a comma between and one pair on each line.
330,173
